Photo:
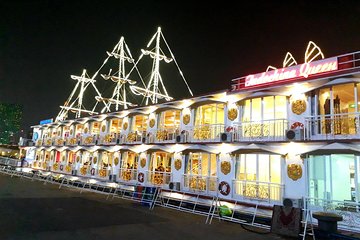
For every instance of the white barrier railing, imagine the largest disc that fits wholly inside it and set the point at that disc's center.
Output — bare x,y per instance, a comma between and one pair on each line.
158,177
264,130
128,174
349,210
10,162
333,126
198,183
255,190
206,133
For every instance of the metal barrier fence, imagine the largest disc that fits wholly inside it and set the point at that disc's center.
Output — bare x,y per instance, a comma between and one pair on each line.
10,162
349,210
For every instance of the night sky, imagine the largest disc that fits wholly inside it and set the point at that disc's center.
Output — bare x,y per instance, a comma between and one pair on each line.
42,43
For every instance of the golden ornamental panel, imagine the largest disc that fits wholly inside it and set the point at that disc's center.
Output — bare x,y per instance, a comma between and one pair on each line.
103,128
71,131
102,172
161,135
60,141
232,114
48,142
225,167
55,166
108,138
152,123
253,190
126,175
178,164
88,140
125,125
186,119
197,183
86,130
68,168
298,106
131,137
202,133
73,141
83,170
95,160
294,171
143,162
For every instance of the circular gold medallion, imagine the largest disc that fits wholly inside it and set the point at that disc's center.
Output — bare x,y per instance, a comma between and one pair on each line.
95,160
294,171
298,106
86,130
225,167
143,162
232,114
103,128
116,161
152,123
125,125
186,119
177,164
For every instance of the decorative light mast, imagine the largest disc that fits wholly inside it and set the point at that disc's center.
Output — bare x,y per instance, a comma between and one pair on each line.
155,88
122,53
76,104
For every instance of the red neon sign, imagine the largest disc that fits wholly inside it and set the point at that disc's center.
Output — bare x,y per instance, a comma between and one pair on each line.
295,72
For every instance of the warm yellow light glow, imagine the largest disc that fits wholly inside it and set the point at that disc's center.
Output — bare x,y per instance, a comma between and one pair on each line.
186,103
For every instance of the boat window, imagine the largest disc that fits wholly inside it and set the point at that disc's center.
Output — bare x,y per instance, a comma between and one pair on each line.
210,114
169,119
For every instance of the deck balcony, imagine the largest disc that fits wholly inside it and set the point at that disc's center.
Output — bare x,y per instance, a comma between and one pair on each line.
200,184
89,140
259,191
72,141
47,142
128,174
166,135
59,141
158,177
333,126
206,133
135,137
262,131
110,139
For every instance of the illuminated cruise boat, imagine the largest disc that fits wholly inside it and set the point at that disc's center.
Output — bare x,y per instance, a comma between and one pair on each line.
287,133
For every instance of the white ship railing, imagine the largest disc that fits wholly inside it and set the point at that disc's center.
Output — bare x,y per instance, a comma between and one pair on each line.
333,126
90,140
349,210
206,133
110,139
264,130
166,135
47,142
10,162
255,190
135,137
158,177
72,141
200,184
128,174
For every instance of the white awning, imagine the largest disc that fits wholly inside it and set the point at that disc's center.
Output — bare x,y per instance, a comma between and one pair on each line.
253,148
334,148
